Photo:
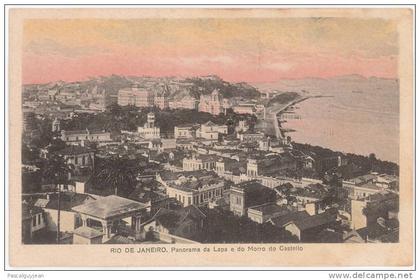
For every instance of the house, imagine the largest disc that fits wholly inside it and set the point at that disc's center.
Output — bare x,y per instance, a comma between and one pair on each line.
155,145
77,137
372,183
282,220
33,222
366,210
197,191
262,213
247,194
69,220
270,165
148,192
211,131
111,215
185,225
87,235
197,162
245,109
307,229
81,159
251,136
186,131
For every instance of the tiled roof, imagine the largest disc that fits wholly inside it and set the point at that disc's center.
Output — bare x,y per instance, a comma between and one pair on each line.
284,219
109,206
87,232
270,208
314,221
172,219
68,200
74,150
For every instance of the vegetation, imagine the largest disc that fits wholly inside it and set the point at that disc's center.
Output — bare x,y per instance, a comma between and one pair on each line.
115,175
206,86
118,118
364,164
283,98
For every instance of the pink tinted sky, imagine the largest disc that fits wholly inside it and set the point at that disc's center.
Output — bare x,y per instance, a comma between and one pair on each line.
252,50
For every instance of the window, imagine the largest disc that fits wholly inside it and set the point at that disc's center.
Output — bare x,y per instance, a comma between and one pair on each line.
34,221
238,200
39,219
76,160
189,201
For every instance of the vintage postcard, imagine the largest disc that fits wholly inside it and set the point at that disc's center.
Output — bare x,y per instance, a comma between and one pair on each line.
240,137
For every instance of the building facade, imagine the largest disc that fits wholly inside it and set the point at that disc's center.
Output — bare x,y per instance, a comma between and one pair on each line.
78,136
211,131
198,162
212,103
149,130
135,96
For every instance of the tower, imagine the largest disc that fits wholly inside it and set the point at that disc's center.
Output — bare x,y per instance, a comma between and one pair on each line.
150,120
56,125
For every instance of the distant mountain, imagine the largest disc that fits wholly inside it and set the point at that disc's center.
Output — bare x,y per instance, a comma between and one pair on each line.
176,87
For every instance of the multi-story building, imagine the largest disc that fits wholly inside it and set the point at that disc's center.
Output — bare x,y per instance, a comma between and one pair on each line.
136,96
248,194
186,131
75,137
149,130
198,162
245,109
211,131
367,210
197,191
251,136
80,157
212,103
270,165
187,102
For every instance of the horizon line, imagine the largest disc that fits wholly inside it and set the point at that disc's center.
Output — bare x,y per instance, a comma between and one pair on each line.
210,75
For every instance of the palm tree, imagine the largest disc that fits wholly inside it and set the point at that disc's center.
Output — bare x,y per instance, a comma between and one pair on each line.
117,173
57,172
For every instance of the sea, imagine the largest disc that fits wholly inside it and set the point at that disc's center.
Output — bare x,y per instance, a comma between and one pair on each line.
355,115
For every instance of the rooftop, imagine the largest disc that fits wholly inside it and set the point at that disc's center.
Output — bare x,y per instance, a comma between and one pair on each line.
109,206
270,208
87,232
282,220
68,200
74,150
314,221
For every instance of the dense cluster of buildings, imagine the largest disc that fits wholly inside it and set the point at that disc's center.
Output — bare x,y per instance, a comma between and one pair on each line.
206,169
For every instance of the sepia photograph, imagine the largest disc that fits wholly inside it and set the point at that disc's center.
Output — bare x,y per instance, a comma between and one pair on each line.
166,130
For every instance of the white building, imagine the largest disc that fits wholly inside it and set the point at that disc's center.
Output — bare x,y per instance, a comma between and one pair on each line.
211,131
136,96
198,162
149,130
196,191
184,131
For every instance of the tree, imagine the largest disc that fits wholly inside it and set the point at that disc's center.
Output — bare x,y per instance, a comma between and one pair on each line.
117,174
57,172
